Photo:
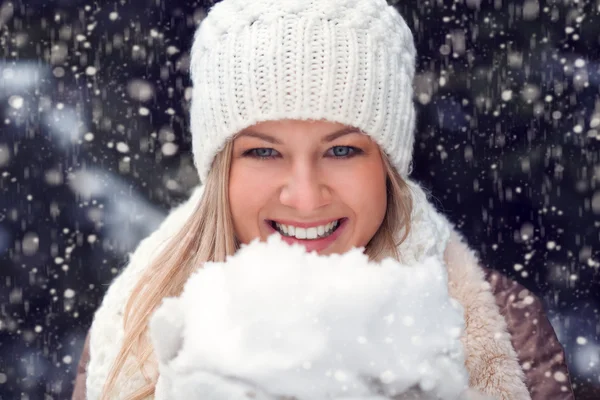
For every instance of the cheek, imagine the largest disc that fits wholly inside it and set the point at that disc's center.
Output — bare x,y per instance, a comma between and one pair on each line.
363,190
249,195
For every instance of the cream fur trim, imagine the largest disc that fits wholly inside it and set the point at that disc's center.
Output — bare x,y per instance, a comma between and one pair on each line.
490,357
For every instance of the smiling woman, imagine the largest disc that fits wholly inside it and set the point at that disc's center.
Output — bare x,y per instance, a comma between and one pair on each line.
303,126
317,183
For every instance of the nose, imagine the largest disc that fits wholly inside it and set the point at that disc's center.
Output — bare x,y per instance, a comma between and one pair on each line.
305,188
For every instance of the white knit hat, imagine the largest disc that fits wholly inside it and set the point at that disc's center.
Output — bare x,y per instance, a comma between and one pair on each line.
345,61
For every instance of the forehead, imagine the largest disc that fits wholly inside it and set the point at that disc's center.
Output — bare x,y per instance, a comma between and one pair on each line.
280,132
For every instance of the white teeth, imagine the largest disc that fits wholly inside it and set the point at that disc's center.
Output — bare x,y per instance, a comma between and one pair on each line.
300,233
307,233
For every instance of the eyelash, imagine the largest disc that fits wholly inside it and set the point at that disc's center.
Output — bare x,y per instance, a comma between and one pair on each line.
252,152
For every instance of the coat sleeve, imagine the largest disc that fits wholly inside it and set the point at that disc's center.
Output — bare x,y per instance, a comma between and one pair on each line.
79,389
540,353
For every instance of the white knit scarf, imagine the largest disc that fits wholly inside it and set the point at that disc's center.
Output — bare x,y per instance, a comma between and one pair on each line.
490,357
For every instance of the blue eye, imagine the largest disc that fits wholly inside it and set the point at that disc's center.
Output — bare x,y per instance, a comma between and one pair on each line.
262,153
344,151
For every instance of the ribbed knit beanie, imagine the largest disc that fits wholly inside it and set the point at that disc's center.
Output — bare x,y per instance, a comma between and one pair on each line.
345,61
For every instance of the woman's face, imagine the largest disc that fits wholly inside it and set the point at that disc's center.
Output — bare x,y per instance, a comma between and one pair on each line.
316,183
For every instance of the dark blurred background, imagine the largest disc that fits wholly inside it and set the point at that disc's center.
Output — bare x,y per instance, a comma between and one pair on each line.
94,150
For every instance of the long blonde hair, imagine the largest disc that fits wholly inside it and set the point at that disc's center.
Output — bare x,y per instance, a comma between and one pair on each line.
209,236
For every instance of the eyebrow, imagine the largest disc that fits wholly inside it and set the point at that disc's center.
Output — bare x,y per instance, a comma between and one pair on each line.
329,138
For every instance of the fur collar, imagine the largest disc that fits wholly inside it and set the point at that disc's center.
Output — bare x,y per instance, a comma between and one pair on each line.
490,357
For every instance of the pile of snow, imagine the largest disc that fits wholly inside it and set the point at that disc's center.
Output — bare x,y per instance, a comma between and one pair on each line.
277,322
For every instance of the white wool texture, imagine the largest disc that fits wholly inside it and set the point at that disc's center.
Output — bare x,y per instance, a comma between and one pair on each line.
345,61
276,322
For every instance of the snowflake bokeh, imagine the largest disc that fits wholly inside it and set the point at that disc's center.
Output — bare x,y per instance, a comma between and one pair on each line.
94,149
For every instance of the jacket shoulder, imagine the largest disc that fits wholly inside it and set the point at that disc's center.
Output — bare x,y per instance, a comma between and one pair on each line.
540,353
79,389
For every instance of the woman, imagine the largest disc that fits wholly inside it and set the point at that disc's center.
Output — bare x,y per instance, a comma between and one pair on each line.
302,123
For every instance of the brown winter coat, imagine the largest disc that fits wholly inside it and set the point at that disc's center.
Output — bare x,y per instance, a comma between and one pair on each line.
540,354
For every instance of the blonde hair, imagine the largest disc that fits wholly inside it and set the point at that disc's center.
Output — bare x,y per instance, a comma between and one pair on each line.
209,236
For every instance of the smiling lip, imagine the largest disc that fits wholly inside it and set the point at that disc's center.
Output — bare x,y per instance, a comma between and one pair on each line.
318,244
